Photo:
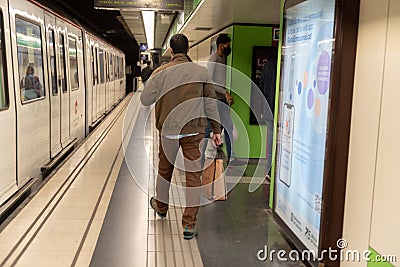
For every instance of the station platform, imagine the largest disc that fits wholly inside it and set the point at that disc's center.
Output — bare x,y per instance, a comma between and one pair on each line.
91,212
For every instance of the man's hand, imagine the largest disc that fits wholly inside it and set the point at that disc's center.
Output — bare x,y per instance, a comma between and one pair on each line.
229,99
217,139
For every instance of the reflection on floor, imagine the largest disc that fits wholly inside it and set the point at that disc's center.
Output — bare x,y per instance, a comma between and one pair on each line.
232,232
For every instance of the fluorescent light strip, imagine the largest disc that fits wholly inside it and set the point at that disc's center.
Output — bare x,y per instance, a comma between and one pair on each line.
148,22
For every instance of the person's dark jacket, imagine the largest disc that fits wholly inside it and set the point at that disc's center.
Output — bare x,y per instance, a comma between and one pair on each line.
268,81
146,73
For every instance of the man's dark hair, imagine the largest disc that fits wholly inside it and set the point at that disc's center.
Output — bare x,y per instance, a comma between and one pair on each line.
179,44
148,62
223,38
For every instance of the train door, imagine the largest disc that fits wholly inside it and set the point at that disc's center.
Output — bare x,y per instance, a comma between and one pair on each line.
95,74
123,84
31,89
76,83
120,80
107,84
8,181
88,81
55,99
102,86
63,83
111,62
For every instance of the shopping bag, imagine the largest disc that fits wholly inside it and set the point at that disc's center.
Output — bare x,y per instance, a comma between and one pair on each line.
213,180
208,178
219,181
211,150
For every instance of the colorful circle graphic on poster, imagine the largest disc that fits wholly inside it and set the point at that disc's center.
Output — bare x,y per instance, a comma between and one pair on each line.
310,99
299,88
324,71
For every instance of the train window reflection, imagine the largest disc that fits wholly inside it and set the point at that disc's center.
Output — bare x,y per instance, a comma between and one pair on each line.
30,60
101,65
52,65
73,64
121,68
94,67
111,68
4,100
116,68
63,70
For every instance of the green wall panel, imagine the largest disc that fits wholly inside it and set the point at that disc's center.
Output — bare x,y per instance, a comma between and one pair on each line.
244,38
278,71
374,263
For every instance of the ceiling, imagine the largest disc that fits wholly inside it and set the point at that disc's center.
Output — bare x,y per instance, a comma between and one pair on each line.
134,21
108,24
216,15
125,29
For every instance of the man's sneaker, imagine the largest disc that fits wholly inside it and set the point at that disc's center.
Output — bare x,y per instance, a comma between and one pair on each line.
189,233
153,204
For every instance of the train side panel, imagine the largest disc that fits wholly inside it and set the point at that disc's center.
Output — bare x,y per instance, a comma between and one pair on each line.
31,89
76,82
8,176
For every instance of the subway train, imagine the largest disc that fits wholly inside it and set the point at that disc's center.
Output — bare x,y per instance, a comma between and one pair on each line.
57,81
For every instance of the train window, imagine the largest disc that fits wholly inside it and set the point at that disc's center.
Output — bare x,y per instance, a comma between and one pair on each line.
111,68
30,60
121,75
4,100
94,66
116,67
52,59
121,68
63,72
107,67
101,63
73,64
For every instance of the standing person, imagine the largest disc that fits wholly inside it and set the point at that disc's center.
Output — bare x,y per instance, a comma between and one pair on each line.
30,85
217,68
146,72
184,98
268,88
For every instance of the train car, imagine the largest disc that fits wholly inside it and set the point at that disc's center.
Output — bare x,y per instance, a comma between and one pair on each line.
57,81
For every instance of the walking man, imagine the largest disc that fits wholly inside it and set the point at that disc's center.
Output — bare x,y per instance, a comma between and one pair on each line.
217,68
146,72
185,98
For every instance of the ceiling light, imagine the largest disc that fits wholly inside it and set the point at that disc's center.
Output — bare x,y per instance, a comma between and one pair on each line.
202,29
131,17
148,22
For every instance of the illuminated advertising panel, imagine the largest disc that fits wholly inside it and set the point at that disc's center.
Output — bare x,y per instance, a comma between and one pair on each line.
307,50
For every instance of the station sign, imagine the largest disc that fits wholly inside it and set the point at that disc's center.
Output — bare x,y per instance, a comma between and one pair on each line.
143,47
169,5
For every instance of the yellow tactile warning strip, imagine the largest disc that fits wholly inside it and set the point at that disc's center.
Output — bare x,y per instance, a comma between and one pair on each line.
60,225
165,243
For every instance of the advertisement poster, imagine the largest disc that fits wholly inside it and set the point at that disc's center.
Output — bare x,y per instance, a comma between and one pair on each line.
307,52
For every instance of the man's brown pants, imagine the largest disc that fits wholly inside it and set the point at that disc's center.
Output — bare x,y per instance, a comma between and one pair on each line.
168,151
